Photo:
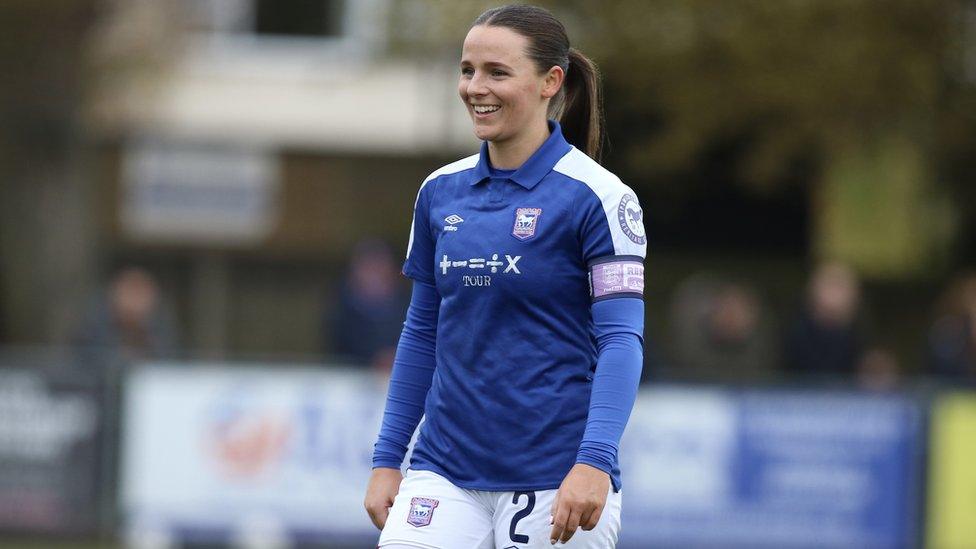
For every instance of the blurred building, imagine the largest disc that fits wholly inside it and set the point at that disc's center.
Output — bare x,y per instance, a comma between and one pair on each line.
247,144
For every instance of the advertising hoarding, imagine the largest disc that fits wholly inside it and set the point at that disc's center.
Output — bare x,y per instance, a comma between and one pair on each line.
284,454
952,473
50,452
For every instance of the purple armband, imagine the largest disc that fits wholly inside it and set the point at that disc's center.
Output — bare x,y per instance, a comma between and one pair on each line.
617,276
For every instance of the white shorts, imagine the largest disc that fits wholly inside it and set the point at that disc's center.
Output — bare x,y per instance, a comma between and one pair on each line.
431,513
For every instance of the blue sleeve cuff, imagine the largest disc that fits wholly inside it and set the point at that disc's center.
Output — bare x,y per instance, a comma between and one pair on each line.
599,455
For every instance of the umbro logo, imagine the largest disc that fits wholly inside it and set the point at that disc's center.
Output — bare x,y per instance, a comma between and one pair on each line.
452,220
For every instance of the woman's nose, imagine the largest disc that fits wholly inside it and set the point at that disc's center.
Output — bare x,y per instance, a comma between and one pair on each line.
477,85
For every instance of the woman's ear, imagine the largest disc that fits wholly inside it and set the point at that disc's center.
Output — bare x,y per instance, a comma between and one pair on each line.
553,82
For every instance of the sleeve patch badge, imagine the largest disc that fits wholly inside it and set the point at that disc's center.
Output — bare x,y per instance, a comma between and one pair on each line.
421,511
526,221
631,219
620,276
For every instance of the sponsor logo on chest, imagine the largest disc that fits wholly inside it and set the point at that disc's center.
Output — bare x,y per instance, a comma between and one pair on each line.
477,265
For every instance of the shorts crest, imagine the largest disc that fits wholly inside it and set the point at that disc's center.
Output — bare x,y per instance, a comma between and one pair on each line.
421,511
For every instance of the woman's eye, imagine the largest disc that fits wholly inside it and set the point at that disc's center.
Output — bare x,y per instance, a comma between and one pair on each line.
467,71
499,73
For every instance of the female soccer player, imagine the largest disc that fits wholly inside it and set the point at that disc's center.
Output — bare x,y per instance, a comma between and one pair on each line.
522,343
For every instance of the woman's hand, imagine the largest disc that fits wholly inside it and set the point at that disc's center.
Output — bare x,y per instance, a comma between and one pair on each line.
384,485
579,501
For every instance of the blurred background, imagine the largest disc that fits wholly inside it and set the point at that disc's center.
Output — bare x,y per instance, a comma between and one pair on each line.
204,205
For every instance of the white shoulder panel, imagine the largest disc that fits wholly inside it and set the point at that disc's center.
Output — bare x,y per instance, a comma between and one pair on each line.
453,167
624,214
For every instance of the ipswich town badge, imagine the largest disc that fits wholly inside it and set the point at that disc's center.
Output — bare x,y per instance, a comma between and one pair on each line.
630,215
421,511
526,221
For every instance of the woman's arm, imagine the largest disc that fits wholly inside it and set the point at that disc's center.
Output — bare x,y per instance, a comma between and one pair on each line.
413,370
619,329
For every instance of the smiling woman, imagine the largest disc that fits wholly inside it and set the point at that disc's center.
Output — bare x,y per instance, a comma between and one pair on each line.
512,79
522,343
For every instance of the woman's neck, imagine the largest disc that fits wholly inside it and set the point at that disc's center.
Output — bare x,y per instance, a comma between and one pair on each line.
512,153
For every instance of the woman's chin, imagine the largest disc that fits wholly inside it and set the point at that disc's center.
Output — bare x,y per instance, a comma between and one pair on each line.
484,132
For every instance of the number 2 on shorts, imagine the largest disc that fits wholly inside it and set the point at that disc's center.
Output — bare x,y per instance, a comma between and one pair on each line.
521,538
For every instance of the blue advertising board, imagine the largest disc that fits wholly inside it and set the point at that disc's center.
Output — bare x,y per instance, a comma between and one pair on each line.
770,469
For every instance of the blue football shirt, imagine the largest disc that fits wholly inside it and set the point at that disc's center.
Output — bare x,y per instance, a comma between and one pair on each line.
518,257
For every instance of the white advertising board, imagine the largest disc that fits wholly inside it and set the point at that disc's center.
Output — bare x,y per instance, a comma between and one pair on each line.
228,451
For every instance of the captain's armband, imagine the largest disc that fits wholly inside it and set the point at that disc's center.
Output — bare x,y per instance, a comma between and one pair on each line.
616,276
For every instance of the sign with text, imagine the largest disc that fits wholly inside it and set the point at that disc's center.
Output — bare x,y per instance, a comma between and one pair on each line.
198,194
270,453
284,454
49,452
770,469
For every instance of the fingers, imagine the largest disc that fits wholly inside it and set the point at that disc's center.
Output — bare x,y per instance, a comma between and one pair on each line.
590,522
565,521
375,516
560,517
571,525
384,484
378,511
585,518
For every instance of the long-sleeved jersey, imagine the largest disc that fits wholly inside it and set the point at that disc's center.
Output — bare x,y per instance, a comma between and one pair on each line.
535,284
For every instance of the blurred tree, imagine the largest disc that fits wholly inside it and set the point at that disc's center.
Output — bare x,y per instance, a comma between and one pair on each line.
793,74
43,231
58,57
856,84
956,131
847,97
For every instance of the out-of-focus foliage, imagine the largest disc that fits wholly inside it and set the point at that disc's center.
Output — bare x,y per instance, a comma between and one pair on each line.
790,75
828,93
41,45
42,89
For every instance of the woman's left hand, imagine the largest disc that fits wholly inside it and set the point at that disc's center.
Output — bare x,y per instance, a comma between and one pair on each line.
579,501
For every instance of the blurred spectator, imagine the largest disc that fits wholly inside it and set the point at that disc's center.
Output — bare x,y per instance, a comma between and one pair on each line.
129,322
952,337
826,337
370,308
720,332
878,370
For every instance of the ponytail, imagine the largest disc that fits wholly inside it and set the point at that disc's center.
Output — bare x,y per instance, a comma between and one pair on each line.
578,106
580,109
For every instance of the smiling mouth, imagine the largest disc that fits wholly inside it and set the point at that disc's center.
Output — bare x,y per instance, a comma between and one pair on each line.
485,109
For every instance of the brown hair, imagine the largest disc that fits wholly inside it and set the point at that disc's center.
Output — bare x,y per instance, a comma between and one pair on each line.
578,106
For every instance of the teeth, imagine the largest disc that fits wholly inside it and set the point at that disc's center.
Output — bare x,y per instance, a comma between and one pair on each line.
484,109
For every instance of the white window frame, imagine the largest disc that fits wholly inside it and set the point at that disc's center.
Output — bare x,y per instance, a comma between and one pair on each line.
232,43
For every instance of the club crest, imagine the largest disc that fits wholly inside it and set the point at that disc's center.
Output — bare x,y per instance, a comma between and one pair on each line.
526,222
630,216
421,511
